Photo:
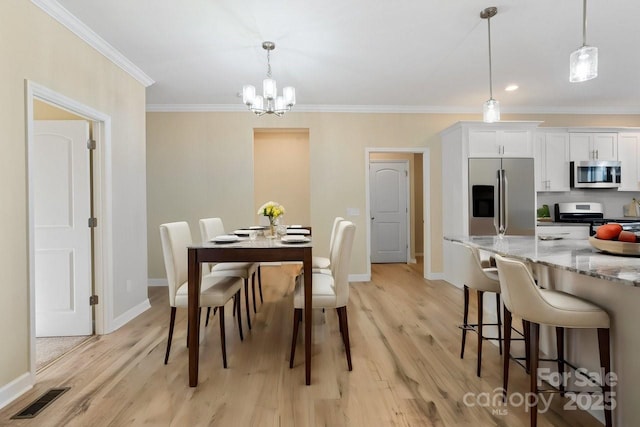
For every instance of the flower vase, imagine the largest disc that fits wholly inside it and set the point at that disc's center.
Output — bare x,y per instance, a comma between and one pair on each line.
273,224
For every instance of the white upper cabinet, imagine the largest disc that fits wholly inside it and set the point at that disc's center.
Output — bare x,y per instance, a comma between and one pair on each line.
500,143
552,161
628,151
593,146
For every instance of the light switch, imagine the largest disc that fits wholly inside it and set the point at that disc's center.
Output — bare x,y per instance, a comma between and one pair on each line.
353,211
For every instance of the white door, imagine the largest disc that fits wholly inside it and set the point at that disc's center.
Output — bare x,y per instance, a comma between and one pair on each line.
389,211
62,237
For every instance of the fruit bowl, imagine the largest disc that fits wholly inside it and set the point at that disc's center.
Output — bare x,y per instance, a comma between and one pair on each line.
615,247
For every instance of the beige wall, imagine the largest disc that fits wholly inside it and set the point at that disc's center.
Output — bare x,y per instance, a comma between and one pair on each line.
34,46
281,173
198,163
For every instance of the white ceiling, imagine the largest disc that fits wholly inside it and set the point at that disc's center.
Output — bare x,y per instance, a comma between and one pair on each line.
376,55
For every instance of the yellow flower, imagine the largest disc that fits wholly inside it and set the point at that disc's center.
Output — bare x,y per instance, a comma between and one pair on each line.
271,209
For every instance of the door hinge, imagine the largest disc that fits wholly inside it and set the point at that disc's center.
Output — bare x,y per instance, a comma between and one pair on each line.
91,144
93,300
93,222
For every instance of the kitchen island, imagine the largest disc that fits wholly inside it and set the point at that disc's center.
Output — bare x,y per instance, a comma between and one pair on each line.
612,282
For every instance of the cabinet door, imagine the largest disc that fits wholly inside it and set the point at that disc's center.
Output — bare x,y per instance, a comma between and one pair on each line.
483,143
580,147
605,146
556,162
628,150
515,143
540,162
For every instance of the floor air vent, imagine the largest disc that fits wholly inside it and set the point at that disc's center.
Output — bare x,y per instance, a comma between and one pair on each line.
40,403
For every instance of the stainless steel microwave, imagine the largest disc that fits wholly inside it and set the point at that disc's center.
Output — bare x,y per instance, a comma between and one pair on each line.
595,174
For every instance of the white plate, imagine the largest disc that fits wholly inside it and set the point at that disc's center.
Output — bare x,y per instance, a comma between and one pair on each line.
226,238
295,239
257,227
298,231
242,232
294,226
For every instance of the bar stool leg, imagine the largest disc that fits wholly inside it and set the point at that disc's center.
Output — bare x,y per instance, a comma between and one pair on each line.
560,351
527,332
480,312
465,318
605,363
507,350
499,323
533,360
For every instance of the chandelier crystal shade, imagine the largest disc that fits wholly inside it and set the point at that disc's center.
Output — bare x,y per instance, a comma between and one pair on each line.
583,62
269,102
491,108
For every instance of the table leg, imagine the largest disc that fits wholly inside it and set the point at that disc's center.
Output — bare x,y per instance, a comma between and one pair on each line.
194,303
307,314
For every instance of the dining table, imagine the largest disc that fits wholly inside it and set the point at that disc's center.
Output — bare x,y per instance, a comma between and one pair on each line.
244,249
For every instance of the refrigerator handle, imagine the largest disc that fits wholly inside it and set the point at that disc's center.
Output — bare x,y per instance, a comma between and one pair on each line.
500,203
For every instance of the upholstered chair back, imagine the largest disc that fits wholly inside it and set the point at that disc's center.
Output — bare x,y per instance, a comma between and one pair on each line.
340,260
175,237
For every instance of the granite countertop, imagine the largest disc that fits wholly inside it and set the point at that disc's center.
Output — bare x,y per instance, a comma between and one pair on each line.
564,224
572,255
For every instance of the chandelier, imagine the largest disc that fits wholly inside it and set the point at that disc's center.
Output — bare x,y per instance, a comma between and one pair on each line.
491,108
269,102
583,62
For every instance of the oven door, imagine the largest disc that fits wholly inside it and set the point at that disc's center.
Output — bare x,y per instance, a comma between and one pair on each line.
594,174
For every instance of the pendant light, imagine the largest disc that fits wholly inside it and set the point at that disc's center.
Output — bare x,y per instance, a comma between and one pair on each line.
583,63
491,108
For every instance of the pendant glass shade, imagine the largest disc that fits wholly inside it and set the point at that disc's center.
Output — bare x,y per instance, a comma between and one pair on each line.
289,94
583,64
269,88
491,111
248,94
258,104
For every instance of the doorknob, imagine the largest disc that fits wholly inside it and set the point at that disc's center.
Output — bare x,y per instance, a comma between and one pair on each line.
372,218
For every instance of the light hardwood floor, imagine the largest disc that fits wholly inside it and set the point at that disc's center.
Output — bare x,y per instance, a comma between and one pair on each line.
406,367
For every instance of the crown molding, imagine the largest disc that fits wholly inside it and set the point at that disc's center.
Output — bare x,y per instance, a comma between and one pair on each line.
394,109
64,17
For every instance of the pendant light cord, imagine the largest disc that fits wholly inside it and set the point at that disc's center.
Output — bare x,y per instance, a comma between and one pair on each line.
584,22
490,73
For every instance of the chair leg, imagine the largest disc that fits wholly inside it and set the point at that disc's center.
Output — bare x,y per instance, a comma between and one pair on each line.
560,351
605,363
345,336
499,323
223,343
297,316
235,303
246,301
480,312
253,291
465,318
527,332
171,323
507,352
239,316
260,283
533,376
208,313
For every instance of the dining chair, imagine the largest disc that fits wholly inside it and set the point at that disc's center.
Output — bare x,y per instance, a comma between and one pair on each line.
318,262
211,228
329,290
523,298
214,291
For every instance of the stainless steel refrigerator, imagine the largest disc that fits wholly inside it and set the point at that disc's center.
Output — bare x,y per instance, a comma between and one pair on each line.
501,197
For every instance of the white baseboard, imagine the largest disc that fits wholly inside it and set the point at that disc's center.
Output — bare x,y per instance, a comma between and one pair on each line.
130,314
359,277
435,276
16,388
157,282
413,261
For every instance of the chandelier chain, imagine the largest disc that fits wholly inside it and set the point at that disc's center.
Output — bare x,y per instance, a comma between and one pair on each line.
269,63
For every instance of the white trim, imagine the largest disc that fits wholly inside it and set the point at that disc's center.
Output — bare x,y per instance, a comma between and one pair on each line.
434,276
16,388
359,277
393,109
80,29
130,314
157,282
413,261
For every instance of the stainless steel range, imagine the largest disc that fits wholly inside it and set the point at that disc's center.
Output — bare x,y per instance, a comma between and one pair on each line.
591,213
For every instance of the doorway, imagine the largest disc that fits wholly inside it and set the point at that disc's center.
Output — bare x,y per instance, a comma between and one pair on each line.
418,226
45,103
